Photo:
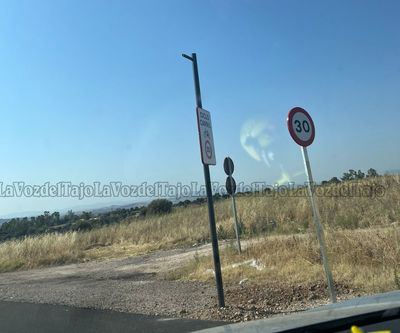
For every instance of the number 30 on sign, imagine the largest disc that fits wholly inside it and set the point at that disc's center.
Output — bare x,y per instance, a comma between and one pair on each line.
301,126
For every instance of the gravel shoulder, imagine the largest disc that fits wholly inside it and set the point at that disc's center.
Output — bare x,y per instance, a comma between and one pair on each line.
136,285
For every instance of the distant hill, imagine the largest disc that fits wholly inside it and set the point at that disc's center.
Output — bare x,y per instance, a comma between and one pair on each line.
3,220
392,172
115,207
95,209
84,220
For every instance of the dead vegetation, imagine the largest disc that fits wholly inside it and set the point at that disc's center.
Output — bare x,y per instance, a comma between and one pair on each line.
364,259
361,236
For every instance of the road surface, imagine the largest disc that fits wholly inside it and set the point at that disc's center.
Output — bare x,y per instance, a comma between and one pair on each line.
42,318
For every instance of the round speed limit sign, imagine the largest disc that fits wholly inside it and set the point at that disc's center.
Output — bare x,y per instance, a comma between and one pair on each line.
301,126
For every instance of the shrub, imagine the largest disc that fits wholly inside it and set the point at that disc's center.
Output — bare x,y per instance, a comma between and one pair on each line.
82,225
159,206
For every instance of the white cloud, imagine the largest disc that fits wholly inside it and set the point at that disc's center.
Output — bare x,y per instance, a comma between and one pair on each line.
255,141
285,178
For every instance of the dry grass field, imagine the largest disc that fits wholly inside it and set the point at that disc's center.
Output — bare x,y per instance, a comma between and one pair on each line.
361,232
366,260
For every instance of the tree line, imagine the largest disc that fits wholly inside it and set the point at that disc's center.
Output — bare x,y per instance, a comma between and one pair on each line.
55,222
352,175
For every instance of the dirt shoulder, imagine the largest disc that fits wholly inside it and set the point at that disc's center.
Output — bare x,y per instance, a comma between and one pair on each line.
137,285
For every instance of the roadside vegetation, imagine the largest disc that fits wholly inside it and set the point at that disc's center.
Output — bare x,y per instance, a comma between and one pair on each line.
364,260
53,222
361,217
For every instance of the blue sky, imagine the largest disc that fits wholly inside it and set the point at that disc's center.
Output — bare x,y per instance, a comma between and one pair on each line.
98,90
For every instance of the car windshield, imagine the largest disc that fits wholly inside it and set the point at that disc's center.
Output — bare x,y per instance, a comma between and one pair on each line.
183,165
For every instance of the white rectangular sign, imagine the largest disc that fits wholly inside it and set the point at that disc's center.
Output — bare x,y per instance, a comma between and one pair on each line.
206,137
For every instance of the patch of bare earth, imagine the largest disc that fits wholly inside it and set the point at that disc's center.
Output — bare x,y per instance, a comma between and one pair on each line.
138,285
262,301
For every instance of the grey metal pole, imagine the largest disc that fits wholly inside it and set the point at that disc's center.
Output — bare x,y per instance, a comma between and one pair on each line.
236,223
318,226
234,212
207,179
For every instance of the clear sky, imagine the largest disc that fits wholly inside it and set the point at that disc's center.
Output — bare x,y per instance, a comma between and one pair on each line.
98,90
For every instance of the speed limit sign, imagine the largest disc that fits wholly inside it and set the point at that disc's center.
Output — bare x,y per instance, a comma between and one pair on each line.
302,130
301,126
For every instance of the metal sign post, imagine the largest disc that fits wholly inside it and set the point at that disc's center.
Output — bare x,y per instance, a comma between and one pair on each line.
318,226
231,189
207,150
301,128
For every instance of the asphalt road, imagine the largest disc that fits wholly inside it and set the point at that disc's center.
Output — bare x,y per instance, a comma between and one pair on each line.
29,317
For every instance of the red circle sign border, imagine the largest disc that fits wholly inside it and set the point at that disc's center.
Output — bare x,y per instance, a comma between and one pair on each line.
209,145
291,113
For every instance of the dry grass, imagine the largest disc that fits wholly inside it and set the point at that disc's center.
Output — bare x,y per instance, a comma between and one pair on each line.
185,226
364,259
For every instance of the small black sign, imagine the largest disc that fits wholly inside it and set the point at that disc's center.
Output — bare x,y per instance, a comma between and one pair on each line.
228,166
230,185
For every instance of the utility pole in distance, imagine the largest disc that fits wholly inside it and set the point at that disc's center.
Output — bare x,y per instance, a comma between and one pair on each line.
208,157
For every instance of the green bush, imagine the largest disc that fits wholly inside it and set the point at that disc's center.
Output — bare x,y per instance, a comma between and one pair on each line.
159,206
